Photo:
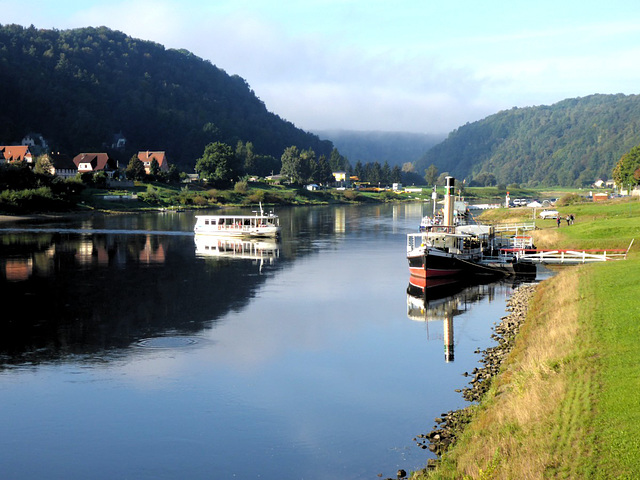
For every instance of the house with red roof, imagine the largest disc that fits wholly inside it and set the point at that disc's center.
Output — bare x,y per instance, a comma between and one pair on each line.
148,157
95,162
15,153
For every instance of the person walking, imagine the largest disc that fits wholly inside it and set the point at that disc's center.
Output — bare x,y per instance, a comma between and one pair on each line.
558,221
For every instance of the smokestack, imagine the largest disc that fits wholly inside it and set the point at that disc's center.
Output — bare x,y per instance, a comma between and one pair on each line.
449,200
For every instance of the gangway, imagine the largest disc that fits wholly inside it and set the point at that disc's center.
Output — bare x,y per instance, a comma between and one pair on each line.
570,257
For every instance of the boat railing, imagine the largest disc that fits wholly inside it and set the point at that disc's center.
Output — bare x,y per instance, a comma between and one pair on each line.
438,229
502,257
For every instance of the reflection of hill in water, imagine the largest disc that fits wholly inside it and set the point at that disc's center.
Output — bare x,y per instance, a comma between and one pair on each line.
73,294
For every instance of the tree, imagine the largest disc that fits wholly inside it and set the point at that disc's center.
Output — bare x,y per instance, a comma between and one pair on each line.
359,171
441,178
321,171
626,173
337,161
292,164
135,169
154,168
43,165
409,167
385,176
307,162
218,163
396,174
431,175
247,157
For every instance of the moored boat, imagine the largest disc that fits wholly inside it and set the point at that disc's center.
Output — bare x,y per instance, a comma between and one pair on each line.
259,225
446,249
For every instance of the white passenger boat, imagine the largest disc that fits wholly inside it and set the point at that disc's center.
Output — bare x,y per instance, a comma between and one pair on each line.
258,225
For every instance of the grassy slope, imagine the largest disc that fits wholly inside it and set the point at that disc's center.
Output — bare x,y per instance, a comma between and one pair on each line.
567,405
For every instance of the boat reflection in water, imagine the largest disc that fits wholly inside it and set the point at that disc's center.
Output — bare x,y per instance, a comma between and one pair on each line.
262,251
443,299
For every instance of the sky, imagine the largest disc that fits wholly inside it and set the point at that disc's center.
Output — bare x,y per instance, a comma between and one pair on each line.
424,66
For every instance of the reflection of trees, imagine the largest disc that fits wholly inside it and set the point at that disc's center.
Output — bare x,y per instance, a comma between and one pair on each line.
84,294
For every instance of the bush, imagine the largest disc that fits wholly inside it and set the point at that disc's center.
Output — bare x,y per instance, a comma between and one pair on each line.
30,200
241,187
351,195
569,199
256,197
200,200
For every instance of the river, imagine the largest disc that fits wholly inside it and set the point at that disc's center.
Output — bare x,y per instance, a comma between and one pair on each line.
128,351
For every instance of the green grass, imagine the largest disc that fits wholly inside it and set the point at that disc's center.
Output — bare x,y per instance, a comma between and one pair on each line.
613,311
608,225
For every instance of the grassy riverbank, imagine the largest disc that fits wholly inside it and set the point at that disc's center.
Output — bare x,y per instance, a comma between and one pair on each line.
566,402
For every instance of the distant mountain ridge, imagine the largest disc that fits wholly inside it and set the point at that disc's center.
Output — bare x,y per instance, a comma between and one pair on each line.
80,87
570,143
395,148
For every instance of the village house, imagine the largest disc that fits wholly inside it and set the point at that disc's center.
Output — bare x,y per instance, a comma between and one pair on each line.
340,179
15,153
95,162
148,157
118,142
36,143
62,165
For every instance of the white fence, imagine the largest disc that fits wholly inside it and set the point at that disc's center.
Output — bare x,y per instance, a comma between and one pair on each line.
572,257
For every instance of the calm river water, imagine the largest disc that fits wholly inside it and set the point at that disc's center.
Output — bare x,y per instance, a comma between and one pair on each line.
128,351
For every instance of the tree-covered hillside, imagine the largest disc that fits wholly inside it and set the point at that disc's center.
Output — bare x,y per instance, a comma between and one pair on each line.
570,143
78,88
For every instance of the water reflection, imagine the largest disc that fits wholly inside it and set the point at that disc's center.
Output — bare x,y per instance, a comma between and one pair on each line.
444,299
262,251
79,294
105,282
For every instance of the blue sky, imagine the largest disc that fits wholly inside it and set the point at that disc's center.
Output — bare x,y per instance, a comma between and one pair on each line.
424,66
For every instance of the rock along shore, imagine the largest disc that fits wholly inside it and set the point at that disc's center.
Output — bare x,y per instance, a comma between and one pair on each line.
450,424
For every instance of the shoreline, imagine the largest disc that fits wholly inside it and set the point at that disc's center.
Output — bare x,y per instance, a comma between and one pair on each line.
450,425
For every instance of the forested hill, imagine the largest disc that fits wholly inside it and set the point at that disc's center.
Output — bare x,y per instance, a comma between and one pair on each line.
78,88
570,143
395,148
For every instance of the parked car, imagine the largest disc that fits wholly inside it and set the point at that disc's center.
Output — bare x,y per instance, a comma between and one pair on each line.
545,214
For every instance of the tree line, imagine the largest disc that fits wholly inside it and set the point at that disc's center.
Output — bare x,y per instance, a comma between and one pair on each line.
221,164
